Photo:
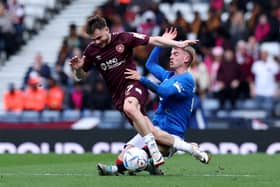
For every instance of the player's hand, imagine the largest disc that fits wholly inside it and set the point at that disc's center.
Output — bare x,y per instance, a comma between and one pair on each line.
76,62
186,43
132,74
170,33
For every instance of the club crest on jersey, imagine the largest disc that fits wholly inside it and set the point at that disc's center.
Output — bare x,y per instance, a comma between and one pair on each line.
120,48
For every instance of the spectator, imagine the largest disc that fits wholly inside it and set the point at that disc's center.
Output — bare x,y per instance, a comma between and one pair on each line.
55,96
60,76
74,40
264,87
245,60
206,38
196,23
13,99
130,18
253,47
34,96
7,31
228,77
181,22
77,97
160,17
214,20
63,53
237,28
122,6
262,29
101,99
16,11
274,20
217,5
39,68
67,69
148,25
201,76
255,14
213,66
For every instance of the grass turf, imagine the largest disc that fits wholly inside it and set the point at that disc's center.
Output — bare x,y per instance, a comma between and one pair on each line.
181,170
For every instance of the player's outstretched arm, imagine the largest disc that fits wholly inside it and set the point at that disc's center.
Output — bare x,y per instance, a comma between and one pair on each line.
162,91
166,40
76,66
152,64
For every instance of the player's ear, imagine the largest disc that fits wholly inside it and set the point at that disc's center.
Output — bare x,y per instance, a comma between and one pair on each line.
186,59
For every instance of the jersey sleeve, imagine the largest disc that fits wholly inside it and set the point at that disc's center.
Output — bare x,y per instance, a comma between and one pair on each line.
153,67
184,86
180,88
133,39
87,65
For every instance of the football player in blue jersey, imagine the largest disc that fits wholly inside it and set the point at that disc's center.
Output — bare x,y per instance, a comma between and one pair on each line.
170,121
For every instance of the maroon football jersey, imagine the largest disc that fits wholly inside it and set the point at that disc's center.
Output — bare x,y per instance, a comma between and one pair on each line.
113,59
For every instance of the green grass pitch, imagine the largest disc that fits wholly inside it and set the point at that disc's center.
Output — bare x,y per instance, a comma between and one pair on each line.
181,170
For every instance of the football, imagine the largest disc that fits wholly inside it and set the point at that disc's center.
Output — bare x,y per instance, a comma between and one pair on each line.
135,159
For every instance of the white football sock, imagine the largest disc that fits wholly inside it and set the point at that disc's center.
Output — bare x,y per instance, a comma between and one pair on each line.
152,146
181,145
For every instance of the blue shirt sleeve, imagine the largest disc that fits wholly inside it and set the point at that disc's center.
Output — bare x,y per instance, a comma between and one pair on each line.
180,88
152,64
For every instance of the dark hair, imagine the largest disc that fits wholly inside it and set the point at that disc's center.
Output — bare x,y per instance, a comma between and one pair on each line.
72,26
95,22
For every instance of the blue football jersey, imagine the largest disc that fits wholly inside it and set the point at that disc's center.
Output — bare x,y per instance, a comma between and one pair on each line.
176,94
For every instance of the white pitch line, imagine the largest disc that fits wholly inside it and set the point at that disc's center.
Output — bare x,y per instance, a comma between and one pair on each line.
46,174
91,175
222,175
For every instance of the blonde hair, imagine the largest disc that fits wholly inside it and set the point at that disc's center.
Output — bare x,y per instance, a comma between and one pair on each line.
192,54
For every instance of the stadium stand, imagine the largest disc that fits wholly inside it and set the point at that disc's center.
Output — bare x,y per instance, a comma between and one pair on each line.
111,119
71,115
217,24
30,116
50,36
50,116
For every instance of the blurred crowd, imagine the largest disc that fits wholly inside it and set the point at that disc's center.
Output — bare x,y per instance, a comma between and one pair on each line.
11,28
231,65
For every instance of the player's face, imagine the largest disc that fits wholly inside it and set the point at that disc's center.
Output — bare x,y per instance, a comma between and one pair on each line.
101,37
178,58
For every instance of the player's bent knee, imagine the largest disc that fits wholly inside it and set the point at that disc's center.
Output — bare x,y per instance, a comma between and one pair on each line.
129,111
130,107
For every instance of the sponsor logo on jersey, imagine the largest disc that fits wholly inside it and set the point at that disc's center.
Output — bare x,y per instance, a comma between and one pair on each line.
138,35
110,64
98,57
178,86
120,48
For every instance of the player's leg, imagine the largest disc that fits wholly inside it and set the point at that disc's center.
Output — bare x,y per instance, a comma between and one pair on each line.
165,138
132,109
137,141
118,167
